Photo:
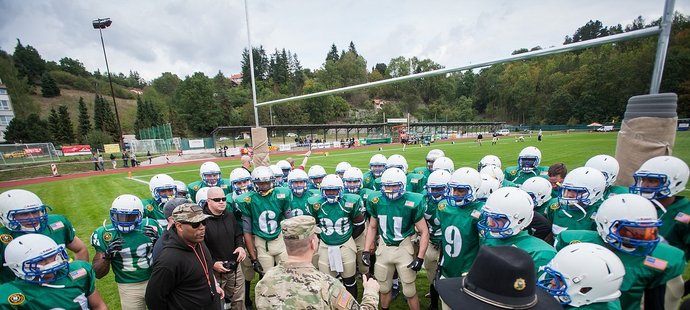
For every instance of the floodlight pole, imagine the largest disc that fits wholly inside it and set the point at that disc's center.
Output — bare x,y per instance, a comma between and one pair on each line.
101,24
251,65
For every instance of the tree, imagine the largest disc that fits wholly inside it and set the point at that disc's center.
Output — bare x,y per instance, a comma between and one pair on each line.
18,88
48,86
31,130
84,124
333,54
54,124
166,84
29,63
73,66
66,132
194,101
352,48
261,65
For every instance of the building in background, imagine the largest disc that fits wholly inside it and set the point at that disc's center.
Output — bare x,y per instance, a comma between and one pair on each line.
6,111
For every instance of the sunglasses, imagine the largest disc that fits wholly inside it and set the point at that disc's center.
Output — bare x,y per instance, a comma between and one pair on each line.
218,199
195,225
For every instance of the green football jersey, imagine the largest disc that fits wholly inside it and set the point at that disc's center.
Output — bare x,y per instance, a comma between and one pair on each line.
312,191
507,183
423,171
298,205
573,219
664,263
154,210
614,190
70,292
415,183
541,252
676,224
132,263
548,208
396,218
460,237
265,212
432,221
195,186
336,220
517,176
59,229
368,181
365,193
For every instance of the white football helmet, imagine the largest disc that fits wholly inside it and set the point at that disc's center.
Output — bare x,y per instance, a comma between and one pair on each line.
298,181
393,182
494,172
397,161
437,185
353,180
607,165
285,166
487,187
162,188
341,167
377,165
25,256
181,189
432,156
22,211
202,196
210,173
489,160
506,213
529,159
539,188
126,213
262,178
581,188
277,175
629,223
467,181
660,177
443,163
316,174
330,184
583,273
241,181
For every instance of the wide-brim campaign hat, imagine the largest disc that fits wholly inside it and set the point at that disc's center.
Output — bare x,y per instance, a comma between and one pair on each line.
500,278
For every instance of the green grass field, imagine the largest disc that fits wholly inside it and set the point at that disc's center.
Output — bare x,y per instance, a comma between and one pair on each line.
85,201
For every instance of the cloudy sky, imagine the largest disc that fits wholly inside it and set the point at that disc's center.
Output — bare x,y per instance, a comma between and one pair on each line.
183,37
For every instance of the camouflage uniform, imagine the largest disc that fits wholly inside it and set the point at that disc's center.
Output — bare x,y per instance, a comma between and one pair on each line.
298,285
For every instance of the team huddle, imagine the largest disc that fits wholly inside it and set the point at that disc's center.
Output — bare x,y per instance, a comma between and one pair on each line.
594,245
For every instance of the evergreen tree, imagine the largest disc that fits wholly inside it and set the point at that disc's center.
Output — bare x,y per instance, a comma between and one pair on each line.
29,63
333,54
48,86
109,120
352,48
98,118
84,123
66,131
33,129
54,124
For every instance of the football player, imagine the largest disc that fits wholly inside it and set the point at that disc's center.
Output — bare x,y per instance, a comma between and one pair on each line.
581,194
528,166
316,174
341,167
210,176
489,160
609,168
277,175
395,214
415,182
436,190
298,181
340,218
126,245
430,159
182,191
443,163
262,210
504,217
22,212
46,279
240,183
377,164
162,188
353,181
628,225
285,166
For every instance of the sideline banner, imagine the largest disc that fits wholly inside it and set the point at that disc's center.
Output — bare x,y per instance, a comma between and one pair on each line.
196,144
111,148
73,150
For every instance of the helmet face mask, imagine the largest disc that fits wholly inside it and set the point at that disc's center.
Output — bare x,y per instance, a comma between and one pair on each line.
352,179
332,188
651,185
463,186
436,192
32,219
661,177
629,223
297,181
47,268
377,165
126,213
37,259
554,283
393,182
460,195
241,181
495,225
507,212
262,178
569,196
210,173
634,238
528,163
163,188
165,193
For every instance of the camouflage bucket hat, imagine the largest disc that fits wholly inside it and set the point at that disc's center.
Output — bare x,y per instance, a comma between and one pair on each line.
189,213
299,227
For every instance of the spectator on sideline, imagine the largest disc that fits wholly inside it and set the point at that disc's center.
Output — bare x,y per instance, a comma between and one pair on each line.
113,161
125,159
133,160
148,153
182,275
101,162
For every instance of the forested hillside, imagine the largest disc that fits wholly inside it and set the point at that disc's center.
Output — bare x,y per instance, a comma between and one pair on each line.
574,88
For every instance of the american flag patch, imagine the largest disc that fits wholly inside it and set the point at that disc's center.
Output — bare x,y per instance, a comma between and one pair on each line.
57,225
682,217
655,263
415,181
365,196
409,203
349,205
280,196
344,299
475,214
77,273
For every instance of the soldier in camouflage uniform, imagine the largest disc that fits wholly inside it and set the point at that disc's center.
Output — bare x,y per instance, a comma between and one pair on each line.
296,284
126,245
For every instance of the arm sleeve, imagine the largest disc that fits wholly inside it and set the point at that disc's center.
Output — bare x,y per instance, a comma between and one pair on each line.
246,225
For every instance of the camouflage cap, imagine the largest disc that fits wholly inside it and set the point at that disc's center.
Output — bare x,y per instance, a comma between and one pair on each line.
299,227
189,213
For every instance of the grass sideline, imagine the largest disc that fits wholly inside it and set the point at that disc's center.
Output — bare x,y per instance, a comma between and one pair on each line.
85,201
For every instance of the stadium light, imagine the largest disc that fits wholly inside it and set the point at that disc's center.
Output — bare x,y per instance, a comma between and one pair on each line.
101,24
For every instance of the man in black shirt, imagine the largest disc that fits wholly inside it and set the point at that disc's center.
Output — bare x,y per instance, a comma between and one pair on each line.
224,239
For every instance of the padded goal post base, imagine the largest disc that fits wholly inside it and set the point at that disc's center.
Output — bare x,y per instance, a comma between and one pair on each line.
260,146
